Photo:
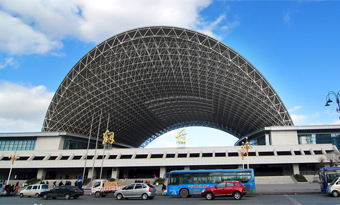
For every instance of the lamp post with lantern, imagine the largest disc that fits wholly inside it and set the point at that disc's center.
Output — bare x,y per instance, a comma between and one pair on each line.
13,158
245,147
337,98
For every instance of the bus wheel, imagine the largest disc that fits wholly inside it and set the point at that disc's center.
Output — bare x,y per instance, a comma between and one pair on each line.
335,193
184,193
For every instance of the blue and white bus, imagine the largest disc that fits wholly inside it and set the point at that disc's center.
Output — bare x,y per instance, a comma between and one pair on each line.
327,175
191,182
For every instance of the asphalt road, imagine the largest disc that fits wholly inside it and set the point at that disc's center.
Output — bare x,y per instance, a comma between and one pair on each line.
254,199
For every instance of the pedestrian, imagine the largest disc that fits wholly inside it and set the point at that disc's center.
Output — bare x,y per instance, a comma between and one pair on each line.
61,183
75,183
17,184
54,183
47,183
163,187
16,190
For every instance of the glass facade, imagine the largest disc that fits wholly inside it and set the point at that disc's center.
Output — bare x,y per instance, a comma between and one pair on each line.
329,138
262,140
18,144
80,144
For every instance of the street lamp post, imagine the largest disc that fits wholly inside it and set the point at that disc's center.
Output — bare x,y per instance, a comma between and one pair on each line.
337,98
13,157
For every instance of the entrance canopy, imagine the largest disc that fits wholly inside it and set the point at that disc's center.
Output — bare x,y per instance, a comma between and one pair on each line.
145,82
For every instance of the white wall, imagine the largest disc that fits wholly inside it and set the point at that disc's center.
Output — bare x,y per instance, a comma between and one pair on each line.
49,143
288,137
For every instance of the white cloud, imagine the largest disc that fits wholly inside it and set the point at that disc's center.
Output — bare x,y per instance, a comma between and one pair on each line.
336,122
38,26
286,18
297,119
9,62
316,115
22,108
295,108
19,38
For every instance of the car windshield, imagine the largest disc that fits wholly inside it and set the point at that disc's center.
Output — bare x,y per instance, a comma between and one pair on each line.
150,186
334,180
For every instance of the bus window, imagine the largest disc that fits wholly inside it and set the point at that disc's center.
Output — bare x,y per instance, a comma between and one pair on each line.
174,179
228,176
187,178
243,177
214,177
200,178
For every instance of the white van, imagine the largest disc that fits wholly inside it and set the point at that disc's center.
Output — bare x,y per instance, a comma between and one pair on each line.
333,188
33,190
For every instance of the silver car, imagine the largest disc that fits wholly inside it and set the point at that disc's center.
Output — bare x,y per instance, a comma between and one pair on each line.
143,190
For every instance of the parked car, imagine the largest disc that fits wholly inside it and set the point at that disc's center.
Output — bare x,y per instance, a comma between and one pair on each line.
226,188
7,190
333,188
33,190
143,190
62,191
2,187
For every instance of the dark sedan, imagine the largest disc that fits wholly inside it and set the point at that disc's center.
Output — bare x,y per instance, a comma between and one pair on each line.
62,191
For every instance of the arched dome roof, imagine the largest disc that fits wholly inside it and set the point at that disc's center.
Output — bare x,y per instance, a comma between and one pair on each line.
151,80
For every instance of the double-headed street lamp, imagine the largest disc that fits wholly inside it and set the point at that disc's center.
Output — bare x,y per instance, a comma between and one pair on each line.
13,158
337,98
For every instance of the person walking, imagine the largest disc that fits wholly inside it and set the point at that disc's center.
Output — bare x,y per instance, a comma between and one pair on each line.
61,183
54,183
16,190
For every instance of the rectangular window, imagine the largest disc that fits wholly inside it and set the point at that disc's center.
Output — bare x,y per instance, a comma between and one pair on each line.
214,178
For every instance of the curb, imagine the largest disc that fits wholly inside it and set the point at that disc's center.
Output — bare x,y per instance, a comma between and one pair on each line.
283,193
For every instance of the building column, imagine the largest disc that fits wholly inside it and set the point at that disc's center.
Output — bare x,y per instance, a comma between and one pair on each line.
115,173
296,169
162,172
41,174
186,168
89,175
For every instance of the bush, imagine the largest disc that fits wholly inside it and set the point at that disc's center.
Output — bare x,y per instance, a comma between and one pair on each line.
33,181
300,178
159,180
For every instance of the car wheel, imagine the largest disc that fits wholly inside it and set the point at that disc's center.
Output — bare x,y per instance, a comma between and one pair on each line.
67,196
209,196
145,196
237,195
335,194
97,194
184,193
36,195
75,197
21,195
45,196
119,196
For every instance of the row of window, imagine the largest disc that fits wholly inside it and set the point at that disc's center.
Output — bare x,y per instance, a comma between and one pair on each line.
9,145
331,138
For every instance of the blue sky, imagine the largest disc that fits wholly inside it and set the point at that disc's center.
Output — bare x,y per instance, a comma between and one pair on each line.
294,44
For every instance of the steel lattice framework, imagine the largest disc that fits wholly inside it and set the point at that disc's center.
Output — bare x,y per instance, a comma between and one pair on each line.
155,79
